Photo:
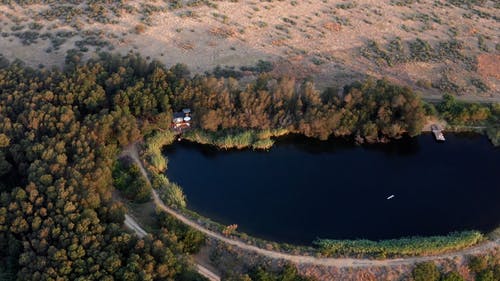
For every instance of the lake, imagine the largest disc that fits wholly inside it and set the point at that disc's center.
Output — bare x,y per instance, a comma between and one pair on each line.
302,189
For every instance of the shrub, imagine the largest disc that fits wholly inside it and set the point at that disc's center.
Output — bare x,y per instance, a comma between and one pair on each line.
487,275
426,271
261,67
478,263
139,29
192,240
170,193
128,179
456,112
421,50
424,83
174,196
452,276
493,133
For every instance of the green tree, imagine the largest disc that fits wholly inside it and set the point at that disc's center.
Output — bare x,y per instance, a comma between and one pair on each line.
478,263
426,271
452,276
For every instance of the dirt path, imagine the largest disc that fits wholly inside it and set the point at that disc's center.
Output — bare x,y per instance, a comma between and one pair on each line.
134,226
131,224
299,259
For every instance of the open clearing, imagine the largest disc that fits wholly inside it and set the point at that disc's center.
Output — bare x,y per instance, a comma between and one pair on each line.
435,46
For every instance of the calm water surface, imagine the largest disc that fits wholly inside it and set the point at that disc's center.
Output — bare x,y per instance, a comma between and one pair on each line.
303,189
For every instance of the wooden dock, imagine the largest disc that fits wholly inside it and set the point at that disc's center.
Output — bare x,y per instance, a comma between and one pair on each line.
438,133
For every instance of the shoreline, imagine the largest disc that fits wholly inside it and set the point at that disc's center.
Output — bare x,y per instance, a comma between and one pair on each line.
214,143
301,257
286,247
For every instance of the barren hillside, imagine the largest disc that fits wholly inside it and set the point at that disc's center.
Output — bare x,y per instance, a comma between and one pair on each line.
435,46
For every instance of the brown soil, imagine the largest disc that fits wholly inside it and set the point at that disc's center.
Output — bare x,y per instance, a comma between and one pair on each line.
317,39
489,65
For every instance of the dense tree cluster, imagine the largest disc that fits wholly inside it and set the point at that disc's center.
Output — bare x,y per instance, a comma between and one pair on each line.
373,111
128,179
461,113
59,136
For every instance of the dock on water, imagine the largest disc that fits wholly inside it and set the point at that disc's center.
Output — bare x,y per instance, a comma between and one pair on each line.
438,133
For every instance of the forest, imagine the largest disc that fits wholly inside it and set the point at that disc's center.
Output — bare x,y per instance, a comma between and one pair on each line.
62,130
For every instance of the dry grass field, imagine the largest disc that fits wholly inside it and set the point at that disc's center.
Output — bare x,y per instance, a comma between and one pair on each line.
435,46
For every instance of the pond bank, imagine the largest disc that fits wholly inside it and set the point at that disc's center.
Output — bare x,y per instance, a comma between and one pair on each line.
300,259
321,179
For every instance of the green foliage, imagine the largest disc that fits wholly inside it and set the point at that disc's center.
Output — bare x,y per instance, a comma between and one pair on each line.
174,196
260,67
394,110
396,51
426,271
430,109
411,246
154,143
461,113
60,135
235,138
485,267
478,263
170,193
452,276
493,133
288,273
191,275
128,178
191,240
231,120
487,275
468,3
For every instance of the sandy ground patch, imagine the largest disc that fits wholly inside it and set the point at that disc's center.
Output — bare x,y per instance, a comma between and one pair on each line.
318,39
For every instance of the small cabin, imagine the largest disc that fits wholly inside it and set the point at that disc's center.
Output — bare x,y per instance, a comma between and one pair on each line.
182,119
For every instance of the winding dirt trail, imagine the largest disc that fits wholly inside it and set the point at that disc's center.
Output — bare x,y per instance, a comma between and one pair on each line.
301,259
134,226
139,231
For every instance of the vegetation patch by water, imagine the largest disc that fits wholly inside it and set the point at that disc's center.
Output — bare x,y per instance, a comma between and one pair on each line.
467,117
404,247
411,246
152,150
256,139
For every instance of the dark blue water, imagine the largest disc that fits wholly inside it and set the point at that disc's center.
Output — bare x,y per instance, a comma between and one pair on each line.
303,189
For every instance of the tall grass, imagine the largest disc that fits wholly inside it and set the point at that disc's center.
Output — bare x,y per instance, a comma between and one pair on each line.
410,246
256,139
153,146
493,133
170,192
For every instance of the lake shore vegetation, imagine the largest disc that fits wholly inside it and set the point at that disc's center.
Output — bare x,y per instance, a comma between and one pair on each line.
410,246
